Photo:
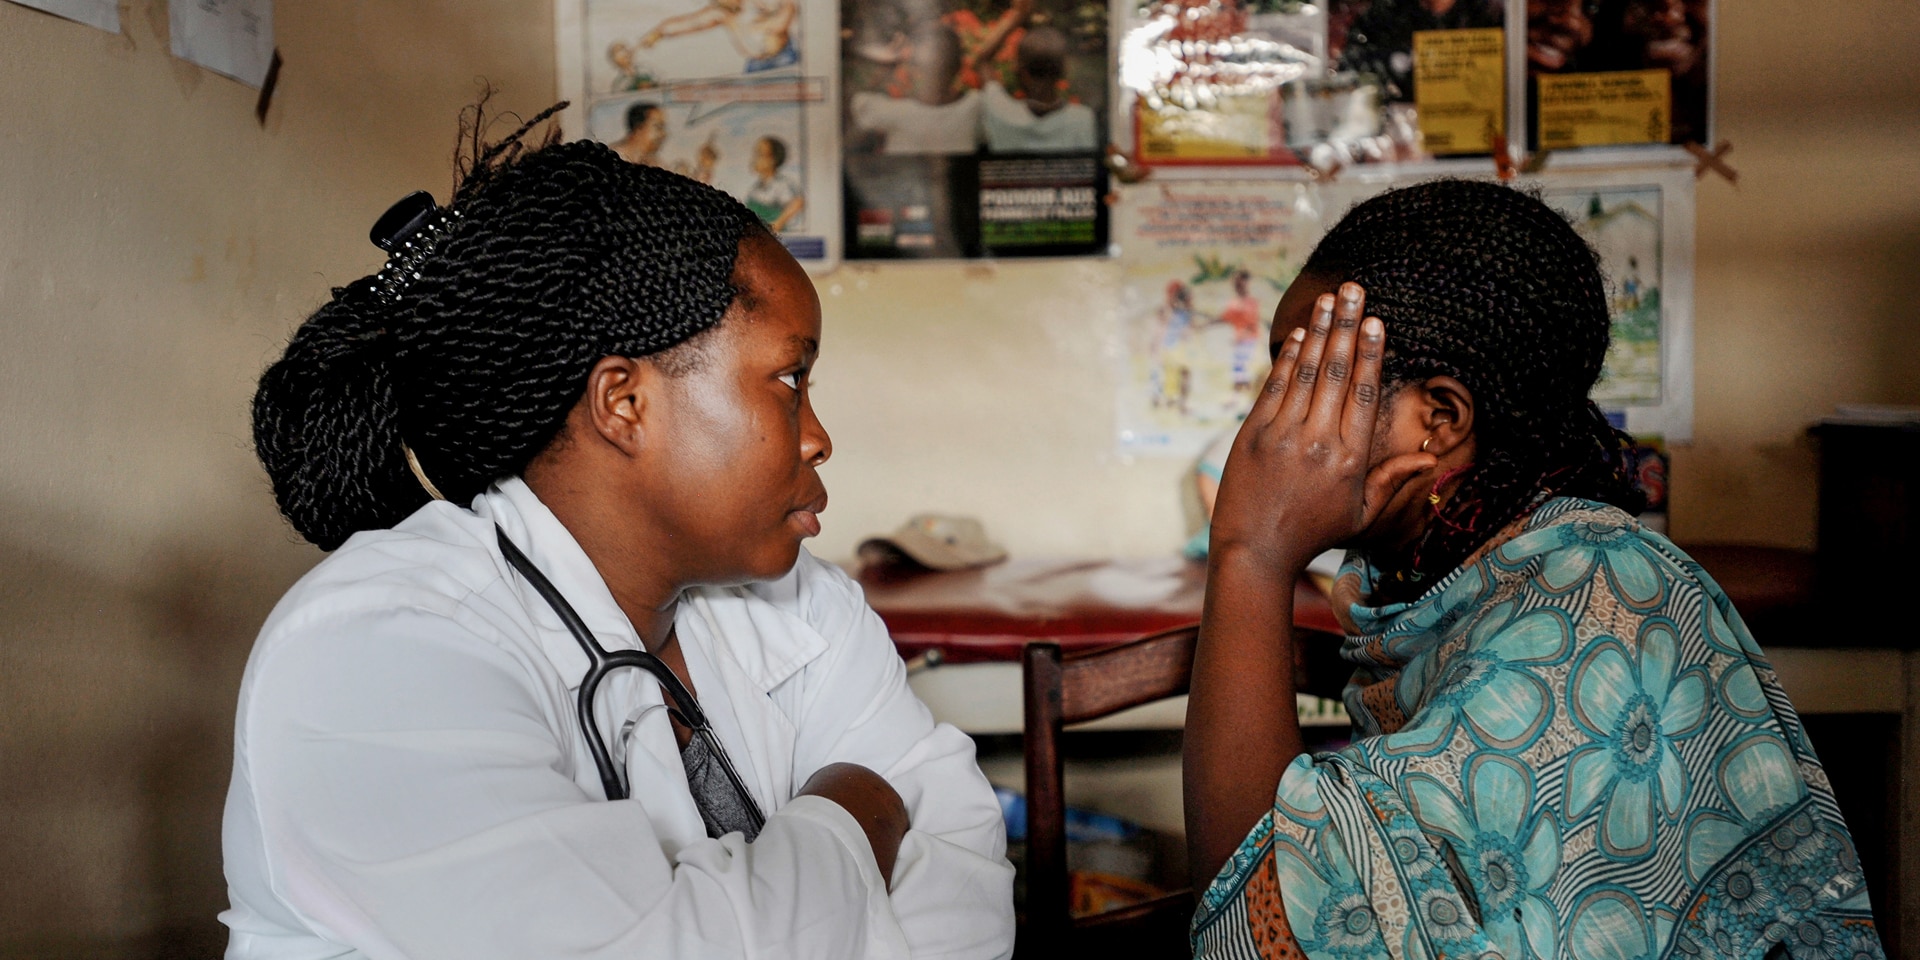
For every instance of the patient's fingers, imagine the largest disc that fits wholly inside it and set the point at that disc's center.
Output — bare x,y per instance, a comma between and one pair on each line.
1363,400
1336,362
1274,391
1306,371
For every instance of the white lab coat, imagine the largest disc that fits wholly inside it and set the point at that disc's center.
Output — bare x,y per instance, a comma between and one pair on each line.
410,779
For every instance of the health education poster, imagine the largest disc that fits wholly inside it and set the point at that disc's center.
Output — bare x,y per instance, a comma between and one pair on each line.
1203,264
1641,225
1618,72
1324,84
730,92
974,128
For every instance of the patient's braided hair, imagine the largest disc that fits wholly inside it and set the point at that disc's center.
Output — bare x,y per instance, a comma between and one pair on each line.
552,258
1490,286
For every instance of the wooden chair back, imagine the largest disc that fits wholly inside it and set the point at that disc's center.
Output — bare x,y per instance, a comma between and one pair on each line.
1067,690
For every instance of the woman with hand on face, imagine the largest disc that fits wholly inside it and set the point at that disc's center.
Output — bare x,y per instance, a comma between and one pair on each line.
569,424
1567,745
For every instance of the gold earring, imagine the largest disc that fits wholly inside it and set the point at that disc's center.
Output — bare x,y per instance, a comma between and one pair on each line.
1423,443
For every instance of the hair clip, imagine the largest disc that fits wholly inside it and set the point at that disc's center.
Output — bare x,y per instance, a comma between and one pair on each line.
408,232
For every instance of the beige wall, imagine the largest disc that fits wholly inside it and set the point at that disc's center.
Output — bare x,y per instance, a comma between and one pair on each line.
157,245
1808,274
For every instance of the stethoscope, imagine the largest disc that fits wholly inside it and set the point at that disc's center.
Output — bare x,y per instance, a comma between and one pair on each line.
600,662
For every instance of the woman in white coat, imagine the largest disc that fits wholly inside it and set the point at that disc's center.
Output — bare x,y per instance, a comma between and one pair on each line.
572,411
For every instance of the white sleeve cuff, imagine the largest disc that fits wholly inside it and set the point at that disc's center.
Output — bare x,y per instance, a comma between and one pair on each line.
885,938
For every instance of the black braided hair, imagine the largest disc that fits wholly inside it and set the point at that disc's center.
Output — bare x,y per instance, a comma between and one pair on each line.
559,256
1490,286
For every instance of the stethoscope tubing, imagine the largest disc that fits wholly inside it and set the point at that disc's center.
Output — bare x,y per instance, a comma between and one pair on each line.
600,662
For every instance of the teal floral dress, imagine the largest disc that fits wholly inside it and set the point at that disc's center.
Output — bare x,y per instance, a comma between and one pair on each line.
1569,748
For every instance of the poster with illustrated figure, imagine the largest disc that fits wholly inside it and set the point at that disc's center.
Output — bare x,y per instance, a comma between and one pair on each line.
1618,72
1641,224
733,93
1623,225
974,128
1203,265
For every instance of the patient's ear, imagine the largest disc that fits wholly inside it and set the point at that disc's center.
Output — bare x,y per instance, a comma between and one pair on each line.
1445,410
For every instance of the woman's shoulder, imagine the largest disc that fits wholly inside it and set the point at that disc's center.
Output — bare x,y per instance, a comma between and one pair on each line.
1568,539
432,564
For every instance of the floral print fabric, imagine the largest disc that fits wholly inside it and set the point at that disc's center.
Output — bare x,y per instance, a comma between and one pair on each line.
1570,748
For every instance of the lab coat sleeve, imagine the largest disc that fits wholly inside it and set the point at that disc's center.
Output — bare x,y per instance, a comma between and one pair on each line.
412,801
952,884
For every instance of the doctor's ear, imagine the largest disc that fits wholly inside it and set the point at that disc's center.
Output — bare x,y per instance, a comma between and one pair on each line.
616,401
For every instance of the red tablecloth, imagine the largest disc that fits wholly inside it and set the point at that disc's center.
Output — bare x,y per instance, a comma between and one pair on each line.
989,614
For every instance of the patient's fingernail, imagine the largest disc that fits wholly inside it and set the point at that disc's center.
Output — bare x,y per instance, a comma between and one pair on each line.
1299,333
1373,328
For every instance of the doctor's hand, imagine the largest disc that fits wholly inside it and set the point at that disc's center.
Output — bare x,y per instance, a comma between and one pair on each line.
1301,477
872,801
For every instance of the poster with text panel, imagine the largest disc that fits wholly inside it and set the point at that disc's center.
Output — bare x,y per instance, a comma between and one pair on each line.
1606,73
1329,84
973,128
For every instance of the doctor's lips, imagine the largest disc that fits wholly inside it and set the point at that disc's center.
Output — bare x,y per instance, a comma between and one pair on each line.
809,515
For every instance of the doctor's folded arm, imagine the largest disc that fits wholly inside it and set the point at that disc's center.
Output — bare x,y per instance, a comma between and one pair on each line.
567,685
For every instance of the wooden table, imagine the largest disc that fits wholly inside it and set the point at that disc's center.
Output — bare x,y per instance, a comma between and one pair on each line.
978,620
988,614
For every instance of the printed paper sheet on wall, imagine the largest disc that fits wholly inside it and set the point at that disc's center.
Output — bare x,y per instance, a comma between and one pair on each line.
729,92
1203,266
1618,73
1641,224
1328,84
1623,225
974,127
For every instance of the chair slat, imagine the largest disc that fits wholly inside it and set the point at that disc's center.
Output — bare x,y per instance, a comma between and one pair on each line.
1108,681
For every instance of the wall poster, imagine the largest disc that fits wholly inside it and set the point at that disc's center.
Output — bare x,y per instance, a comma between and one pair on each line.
1618,72
1203,265
1325,84
974,127
1641,224
729,92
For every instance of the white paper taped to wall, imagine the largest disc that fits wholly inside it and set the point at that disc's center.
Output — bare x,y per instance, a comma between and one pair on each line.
233,38
101,14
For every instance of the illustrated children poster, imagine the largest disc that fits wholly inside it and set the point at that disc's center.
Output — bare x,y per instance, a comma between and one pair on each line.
1203,266
729,92
974,127
1642,229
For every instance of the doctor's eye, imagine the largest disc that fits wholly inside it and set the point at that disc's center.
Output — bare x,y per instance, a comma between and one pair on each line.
795,378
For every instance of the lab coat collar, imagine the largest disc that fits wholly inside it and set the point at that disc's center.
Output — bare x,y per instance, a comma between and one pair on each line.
546,541
757,627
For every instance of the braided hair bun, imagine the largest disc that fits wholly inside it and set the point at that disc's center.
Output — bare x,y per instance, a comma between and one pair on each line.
1490,286
554,258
